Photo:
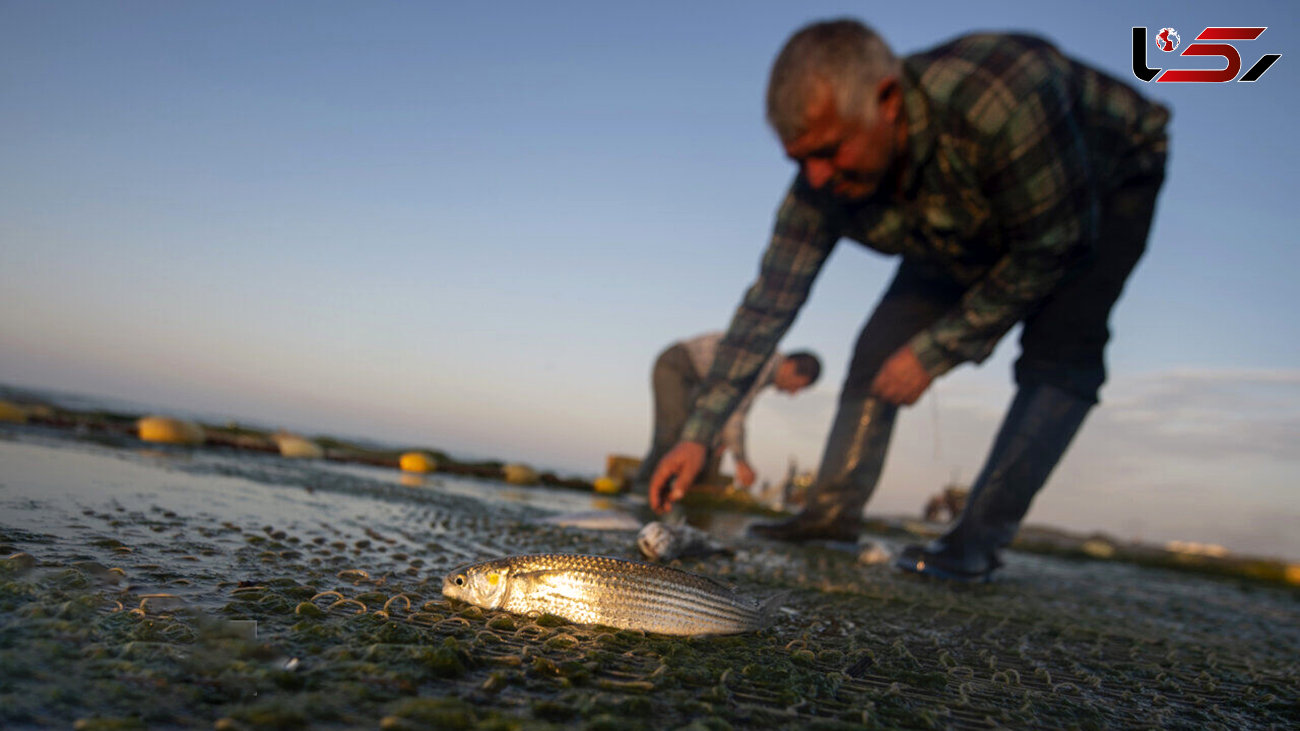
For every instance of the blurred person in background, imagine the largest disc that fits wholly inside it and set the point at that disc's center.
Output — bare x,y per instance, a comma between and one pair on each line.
675,380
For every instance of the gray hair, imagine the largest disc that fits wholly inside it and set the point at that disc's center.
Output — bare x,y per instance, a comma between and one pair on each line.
848,56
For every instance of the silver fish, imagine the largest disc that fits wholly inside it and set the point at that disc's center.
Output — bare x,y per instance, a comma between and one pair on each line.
660,541
609,591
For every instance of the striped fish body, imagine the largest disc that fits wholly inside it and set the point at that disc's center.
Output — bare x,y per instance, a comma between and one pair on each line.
608,591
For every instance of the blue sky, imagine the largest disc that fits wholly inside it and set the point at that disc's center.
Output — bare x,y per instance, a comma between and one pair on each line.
474,227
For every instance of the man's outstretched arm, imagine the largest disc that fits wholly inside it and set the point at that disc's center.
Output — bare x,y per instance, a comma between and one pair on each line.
801,241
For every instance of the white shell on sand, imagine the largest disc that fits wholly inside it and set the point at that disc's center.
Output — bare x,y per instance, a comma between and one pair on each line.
874,553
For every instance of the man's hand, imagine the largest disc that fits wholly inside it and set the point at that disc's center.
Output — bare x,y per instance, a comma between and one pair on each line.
744,473
685,461
902,379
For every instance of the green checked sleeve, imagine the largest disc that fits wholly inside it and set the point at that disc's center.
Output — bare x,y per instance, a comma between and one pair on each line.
1038,178
802,238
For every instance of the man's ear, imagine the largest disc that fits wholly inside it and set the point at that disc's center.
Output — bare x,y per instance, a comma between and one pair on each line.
889,95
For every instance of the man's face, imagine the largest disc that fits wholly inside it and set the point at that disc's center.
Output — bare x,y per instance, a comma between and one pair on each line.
847,156
787,379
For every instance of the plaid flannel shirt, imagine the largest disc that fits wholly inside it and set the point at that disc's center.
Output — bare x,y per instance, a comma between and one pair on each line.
1011,147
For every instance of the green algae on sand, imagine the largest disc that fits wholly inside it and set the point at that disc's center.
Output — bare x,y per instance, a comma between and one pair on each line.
243,599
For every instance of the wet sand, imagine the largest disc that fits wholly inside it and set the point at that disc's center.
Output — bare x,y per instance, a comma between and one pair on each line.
175,587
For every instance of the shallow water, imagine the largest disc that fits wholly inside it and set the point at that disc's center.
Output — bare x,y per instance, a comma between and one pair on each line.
191,512
544,499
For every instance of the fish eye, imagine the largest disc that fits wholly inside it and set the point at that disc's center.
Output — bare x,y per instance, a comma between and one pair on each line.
459,580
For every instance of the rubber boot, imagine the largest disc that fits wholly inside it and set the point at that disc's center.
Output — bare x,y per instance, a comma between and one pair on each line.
850,469
1037,430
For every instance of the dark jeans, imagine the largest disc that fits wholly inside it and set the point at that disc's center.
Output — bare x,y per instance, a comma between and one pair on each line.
1064,337
675,387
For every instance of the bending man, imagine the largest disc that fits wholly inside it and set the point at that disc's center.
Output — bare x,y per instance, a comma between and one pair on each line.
1017,185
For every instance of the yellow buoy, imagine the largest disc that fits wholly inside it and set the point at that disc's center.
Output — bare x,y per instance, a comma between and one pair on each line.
418,462
607,485
166,430
519,474
296,447
12,413
1292,574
